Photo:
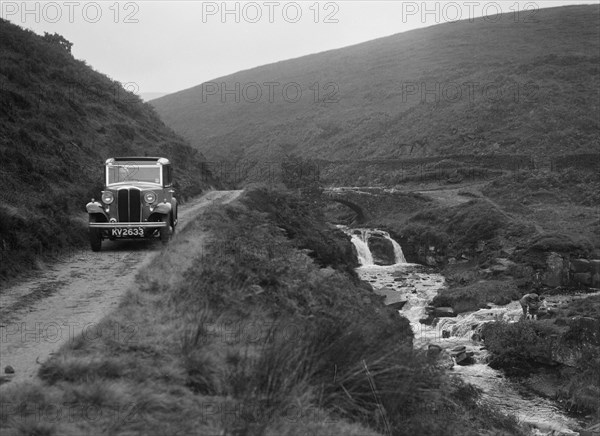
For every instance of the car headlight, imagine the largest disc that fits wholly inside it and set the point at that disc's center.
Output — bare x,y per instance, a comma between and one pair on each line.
107,197
150,197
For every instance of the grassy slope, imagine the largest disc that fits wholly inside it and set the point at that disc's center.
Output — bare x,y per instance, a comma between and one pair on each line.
249,336
59,121
557,53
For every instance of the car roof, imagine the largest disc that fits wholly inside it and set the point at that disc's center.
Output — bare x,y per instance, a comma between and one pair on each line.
129,159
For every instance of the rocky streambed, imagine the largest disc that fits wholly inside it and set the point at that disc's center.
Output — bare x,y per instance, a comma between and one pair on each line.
455,340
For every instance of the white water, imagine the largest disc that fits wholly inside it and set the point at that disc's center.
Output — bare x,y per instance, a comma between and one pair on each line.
362,248
418,286
360,239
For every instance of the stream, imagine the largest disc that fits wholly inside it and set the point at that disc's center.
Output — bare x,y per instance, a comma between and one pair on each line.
417,285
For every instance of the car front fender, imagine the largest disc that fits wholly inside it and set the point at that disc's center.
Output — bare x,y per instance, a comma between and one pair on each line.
163,208
94,207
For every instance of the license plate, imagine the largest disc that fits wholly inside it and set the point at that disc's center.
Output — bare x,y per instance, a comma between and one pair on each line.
131,232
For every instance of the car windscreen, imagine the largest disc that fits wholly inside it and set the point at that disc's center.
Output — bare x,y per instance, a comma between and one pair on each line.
133,173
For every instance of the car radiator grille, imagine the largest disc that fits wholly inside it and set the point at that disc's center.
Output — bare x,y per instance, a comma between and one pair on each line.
129,204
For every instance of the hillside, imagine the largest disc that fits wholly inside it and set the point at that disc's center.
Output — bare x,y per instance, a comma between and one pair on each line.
59,121
371,104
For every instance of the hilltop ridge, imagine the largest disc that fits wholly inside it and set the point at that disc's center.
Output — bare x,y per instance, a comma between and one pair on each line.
527,87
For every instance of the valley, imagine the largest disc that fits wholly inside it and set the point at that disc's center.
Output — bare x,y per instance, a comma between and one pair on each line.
350,261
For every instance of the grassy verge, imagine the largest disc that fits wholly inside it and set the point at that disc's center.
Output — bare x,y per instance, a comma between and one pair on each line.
235,330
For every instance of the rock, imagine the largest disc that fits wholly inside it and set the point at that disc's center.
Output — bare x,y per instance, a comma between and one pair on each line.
440,312
594,430
580,265
430,260
583,278
398,305
461,355
445,334
554,275
504,262
393,298
458,350
595,266
498,269
427,321
506,252
433,351
9,369
546,313
382,249
596,280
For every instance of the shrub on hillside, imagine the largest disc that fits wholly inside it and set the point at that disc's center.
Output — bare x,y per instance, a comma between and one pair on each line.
476,221
425,236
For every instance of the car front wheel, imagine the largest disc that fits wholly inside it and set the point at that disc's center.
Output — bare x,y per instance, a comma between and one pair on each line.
95,237
166,230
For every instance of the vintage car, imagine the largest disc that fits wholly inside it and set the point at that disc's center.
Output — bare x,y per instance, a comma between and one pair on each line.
138,201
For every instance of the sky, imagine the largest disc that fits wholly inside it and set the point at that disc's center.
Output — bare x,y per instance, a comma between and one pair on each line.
157,47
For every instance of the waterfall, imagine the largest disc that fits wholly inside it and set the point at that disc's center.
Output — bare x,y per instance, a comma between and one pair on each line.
399,255
362,248
360,239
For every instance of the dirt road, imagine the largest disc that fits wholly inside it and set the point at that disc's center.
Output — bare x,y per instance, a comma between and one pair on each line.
67,300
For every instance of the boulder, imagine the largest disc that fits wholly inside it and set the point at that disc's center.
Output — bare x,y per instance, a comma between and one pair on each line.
580,265
594,430
440,312
556,271
584,278
433,351
498,269
427,321
462,356
398,305
382,249
393,298
596,280
458,350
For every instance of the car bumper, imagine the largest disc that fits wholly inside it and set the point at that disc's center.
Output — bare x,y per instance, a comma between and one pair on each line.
152,225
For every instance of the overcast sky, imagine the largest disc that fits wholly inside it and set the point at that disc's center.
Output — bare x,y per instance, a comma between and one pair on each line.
167,46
